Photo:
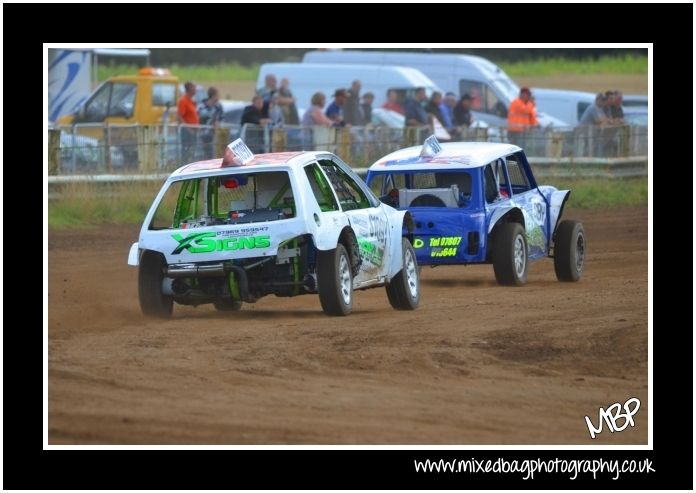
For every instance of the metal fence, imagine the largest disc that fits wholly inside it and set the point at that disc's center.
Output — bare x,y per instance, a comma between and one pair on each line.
97,148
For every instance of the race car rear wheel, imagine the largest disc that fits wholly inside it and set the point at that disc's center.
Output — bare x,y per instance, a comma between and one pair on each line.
569,251
510,254
404,289
150,275
335,281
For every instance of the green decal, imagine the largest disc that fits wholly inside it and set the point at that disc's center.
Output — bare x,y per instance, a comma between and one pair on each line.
418,243
370,252
445,252
205,242
445,241
535,237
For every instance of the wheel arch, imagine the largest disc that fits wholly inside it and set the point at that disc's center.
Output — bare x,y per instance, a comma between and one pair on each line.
349,240
510,214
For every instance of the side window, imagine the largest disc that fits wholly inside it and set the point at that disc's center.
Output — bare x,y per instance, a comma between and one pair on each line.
490,184
163,93
518,179
483,98
320,188
97,107
122,100
379,182
349,193
475,90
163,218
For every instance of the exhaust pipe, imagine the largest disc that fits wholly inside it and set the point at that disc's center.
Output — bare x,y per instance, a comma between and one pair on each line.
189,270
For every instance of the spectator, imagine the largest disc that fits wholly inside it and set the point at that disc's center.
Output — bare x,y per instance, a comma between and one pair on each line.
594,114
210,113
462,112
447,110
290,115
613,109
315,114
275,112
186,113
366,107
253,114
415,113
266,92
433,107
393,102
314,117
352,113
592,127
521,116
335,110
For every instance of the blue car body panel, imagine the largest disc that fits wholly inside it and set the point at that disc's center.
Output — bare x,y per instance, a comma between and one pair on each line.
461,235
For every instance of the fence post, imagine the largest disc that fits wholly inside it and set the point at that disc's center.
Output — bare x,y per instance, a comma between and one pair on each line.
54,151
147,147
221,137
107,147
554,143
323,138
343,141
624,141
410,134
279,139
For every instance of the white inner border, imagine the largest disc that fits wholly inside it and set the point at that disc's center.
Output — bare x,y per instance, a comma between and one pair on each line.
46,445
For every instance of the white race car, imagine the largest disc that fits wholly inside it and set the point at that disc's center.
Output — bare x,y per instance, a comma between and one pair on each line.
232,230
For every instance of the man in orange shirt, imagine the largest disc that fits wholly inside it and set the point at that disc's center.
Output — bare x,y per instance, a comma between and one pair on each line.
521,116
186,111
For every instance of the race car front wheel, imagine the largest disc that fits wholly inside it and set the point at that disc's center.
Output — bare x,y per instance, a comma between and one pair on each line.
150,275
335,281
569,251
404,289
510,254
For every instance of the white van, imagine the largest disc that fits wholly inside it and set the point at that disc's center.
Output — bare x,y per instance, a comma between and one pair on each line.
308,78
491,88
563,104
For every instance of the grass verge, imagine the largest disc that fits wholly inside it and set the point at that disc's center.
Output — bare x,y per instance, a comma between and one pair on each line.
626,64
88,205
600,193
196,73
83,205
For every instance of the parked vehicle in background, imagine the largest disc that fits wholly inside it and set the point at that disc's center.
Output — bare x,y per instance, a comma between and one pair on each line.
630,100
232,230
309,78
478,202
636,115
570,105
490,87
232,111
563,104
124,99
72,73
78,152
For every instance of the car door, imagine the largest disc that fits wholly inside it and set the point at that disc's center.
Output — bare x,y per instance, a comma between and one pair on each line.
366,217
528,198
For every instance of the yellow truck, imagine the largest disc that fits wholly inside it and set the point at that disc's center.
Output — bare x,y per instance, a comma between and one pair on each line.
127,99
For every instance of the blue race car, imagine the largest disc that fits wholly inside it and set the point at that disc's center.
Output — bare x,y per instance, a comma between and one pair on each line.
478,203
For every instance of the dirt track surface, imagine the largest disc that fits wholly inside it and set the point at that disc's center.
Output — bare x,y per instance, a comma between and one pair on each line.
475,364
